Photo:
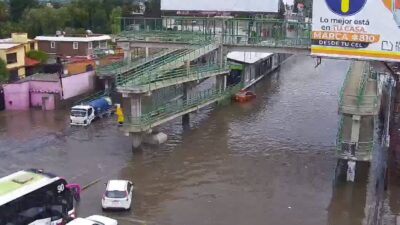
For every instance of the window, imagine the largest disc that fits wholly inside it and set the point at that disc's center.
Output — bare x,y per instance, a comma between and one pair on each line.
129,187
11,58
32,46
90,45
103,44
13,75
52,44
115,194
75,45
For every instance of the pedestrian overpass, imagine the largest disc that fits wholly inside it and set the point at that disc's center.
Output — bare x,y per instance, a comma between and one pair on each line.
146,83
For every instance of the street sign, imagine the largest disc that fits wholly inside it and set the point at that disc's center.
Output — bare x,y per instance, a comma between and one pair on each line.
226,5
360,29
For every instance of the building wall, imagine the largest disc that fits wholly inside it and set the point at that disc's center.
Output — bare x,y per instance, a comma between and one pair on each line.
37,100
23,95
65,48
78,84
45,86
16,96
80,67
20,59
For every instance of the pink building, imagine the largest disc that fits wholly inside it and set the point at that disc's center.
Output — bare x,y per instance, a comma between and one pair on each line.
46,90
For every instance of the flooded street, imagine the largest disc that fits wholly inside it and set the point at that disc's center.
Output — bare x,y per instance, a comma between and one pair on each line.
270,161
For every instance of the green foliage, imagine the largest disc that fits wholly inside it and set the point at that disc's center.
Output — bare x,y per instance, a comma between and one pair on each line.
39,21
4,75
6,28
281,11
3,12
114,19
38,55
153,9
17,8
100,16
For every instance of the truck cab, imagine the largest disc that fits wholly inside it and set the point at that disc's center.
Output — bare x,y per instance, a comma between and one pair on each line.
82,115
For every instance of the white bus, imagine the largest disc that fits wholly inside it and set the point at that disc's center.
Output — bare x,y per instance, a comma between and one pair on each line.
33,197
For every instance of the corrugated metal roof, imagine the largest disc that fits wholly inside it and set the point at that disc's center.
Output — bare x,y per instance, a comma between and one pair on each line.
73,39
8,45
248,57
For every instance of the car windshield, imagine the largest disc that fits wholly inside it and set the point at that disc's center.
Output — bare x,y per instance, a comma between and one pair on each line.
78,113
115,194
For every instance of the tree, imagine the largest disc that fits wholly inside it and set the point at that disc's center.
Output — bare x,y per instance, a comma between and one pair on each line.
3,12
100,21
115,16
6,28
153,9
17,8
281,11
4,75
38,55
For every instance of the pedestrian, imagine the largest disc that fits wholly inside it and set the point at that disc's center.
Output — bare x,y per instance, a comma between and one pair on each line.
120,115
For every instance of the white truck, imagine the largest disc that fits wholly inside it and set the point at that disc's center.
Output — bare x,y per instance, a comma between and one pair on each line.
84,114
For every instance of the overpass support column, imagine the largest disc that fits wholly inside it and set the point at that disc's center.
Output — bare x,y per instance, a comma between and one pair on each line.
188,91
147,49
221,56
136,113
107,84
127,55
355,132
133,109
220,82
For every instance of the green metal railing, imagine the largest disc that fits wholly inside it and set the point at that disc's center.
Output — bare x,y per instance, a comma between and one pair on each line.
345,82
363,84
167,37
123,66
198,72
264,32
363,150
175,60
170,109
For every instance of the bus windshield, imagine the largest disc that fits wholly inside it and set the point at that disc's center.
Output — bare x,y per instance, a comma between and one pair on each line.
52,202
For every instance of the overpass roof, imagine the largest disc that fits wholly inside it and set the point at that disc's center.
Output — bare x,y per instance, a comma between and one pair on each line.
248,57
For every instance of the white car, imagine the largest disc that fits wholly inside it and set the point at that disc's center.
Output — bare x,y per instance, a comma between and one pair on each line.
93,220
118,195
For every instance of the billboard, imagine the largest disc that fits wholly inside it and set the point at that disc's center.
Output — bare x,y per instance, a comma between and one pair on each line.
219,5
361,29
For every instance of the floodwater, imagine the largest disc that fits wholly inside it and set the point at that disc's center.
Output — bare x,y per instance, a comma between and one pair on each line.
270,161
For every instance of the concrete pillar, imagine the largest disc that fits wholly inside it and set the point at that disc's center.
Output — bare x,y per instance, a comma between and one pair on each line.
221,82
107,84
136,105
187,64
128,55
221,58
188,90
137,140
355,133
135,112
147,49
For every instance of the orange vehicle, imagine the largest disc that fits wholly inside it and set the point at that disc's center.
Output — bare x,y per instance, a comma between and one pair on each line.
244,96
